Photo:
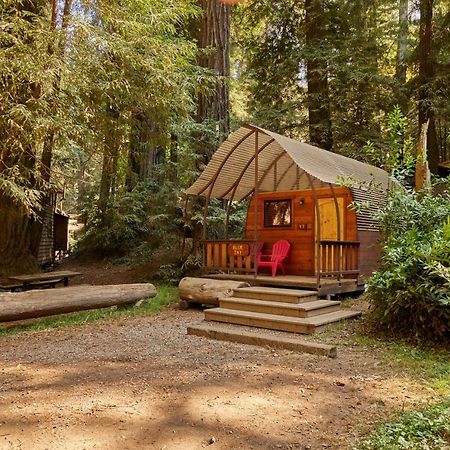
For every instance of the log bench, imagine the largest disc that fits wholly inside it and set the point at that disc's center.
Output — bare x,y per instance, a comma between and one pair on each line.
37,303
205,290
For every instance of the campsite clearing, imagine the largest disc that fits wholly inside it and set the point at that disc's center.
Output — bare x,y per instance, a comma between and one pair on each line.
143,383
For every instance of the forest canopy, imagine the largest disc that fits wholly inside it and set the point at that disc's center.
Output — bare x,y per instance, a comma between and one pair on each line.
116,106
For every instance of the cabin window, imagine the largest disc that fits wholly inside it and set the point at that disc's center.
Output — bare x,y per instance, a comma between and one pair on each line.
277,213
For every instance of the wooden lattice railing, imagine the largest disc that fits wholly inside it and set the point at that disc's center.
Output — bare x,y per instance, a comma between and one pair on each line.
228,256
339,258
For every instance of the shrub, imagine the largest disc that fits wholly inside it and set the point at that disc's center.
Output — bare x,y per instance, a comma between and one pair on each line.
425,429
121,228
410,292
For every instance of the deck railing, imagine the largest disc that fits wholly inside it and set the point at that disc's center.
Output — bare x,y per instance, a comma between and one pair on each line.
228,256
339,258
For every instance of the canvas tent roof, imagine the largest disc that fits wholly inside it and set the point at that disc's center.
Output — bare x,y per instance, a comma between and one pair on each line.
279,161
283,164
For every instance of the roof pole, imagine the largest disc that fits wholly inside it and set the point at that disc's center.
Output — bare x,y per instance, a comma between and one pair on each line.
339,227
255,195
316,205
227,220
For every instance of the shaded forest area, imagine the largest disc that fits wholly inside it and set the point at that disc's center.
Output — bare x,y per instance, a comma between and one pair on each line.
112,108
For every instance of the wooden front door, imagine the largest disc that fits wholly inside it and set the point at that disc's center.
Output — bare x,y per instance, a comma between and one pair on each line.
328,219
329,222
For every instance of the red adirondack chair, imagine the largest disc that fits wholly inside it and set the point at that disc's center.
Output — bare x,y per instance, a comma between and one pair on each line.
258,247
280,251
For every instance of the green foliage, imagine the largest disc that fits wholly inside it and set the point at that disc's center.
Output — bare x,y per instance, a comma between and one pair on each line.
27,76
122,228
410,292
394,149
428,429
399,155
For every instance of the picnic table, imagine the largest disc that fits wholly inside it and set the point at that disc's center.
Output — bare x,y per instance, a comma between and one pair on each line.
35,280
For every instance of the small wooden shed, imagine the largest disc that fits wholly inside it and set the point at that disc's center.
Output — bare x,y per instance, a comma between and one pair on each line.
300,193
54,237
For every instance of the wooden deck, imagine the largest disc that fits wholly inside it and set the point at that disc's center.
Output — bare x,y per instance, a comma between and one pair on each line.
328,286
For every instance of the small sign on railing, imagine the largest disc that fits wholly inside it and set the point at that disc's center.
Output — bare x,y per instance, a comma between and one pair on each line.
238,249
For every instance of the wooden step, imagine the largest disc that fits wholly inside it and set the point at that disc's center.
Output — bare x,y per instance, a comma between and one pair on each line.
223,332
277,322
320,322
307,309
276,294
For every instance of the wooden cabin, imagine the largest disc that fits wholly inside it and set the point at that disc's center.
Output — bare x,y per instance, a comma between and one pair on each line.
299,193
54,237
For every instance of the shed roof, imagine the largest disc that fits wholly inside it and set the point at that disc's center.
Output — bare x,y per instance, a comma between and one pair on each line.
283,165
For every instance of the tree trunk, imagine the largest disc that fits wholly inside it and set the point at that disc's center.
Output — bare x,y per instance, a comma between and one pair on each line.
144,153
41,303
214,36
426,74
15,238
49,141
422,175
402,53
320,132
17,150
110,157
208,291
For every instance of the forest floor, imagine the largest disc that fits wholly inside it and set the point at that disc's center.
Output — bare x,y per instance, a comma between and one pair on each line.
142,383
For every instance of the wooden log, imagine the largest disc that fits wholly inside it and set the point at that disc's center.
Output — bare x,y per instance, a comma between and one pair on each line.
204,290
33,304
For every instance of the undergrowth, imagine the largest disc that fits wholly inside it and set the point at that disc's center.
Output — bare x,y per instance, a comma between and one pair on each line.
410,292
425,429
165,296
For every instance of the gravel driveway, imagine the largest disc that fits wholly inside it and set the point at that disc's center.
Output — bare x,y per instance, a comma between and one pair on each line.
142,383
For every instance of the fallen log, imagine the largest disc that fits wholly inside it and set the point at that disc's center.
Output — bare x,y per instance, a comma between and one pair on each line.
33,304
205,291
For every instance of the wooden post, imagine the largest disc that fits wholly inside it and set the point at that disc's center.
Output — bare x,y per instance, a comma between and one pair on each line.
316,204
255,234
338,238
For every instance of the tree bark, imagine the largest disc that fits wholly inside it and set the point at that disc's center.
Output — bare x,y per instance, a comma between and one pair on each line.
402,53
41,303
208,291
214,37
426,74
144,153
110,158
320,132
422,175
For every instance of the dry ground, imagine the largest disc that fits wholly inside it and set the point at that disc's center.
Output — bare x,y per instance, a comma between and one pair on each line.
142,383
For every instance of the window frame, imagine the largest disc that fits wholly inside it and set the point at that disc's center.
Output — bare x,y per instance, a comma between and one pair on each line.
267,202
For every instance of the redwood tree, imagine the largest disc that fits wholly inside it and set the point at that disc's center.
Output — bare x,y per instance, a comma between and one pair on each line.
21,128
426,74
319,116
214,43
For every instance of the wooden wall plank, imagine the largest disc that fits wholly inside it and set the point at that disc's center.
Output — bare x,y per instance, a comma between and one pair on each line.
300,234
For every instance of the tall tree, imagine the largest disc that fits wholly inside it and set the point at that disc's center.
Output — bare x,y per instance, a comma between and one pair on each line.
425,79
214,44
56,51
26,28
402,53
320,132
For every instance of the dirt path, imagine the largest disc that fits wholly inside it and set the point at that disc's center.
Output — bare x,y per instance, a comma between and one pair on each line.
141,383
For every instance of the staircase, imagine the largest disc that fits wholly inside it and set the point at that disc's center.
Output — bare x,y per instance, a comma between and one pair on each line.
296,311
